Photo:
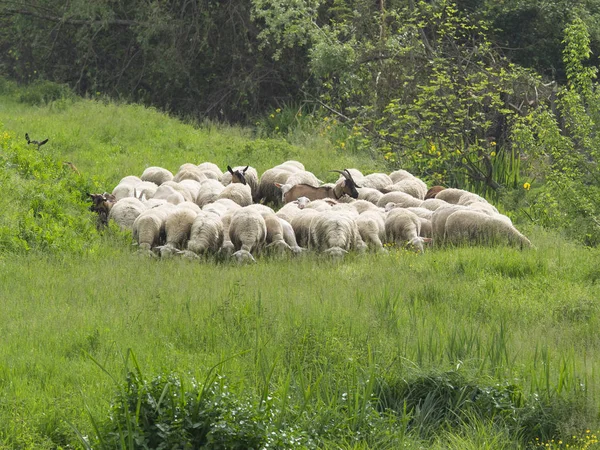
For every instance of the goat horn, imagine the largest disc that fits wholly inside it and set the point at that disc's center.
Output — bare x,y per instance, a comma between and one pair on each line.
340,171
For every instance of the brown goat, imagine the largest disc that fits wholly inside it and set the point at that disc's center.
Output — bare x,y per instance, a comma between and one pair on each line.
101,204
348,187
238,176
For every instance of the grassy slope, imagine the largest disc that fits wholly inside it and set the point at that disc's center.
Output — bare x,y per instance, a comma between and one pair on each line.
500,314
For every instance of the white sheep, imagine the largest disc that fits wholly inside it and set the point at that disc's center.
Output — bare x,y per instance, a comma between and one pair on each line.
206,234
403,227
211,170
178,226
169,193
248,233
400,199
290,210
452,195
375,181
438,222
125,211
189,171
301,225
209,192
149,226
239,193
157,175
434,203
369,194
335,233
289,236
412,186
468,227
221,206
371,226
267,189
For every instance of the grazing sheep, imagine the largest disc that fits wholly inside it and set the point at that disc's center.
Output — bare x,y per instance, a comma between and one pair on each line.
301,225
177,228
401,174
400,199
239,193
369,194
156,175
275,234
125,189
434,203
403,227
209,192
193,188
170,194
206,234
290,237
473,227
412,186
290,210
221,206
426,228
267,188
363,205
376,181
125,211
451,195
211,170
149,226
371,226
292,166
438,222
334,233
248,233
421,212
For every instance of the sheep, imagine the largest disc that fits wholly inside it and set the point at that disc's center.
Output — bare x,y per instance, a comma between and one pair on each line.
370,194
275,234
401,199
303,177
401,174
221,206
289,236
169,194
371,226
412,186
292,166
193,187
244,175
248,233
403,227
149,226
347,186
426,228
438,222
209,192
451,195
434,203
421,212
206,234
125,211
334,233
363,205
290,210
177,228
321,204
376,181
466,226
239,193
211,170
157,175
267,190
125,188
301,225
189,171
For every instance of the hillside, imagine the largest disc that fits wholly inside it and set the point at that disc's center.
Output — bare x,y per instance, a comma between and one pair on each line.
456,348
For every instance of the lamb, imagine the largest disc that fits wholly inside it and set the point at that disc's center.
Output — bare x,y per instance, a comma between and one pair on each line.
335,233
125,211
243,175
403,227
239,193
466,226
248,233
401,199
206,234
156,175
209,192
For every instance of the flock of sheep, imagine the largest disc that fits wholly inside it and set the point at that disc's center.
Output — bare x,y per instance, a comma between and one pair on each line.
201,211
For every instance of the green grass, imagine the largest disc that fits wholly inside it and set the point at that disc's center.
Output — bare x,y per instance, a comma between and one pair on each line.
330,345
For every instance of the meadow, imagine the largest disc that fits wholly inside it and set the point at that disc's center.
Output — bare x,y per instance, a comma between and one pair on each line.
101,348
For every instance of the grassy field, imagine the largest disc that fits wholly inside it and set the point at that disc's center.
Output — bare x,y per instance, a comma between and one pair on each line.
457,348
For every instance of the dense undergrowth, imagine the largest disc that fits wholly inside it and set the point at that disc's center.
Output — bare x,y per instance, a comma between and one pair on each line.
458,348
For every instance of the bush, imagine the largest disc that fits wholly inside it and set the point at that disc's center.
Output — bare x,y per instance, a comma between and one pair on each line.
44,92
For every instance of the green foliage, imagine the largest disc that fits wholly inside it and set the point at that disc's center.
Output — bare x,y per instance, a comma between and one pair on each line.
44,92
45,210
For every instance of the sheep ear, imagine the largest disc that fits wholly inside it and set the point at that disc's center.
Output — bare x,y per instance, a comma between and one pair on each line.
278,185
245,169
427,240
230,170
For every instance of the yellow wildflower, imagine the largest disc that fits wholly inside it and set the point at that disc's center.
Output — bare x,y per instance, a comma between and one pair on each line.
493,154
492,143
272,116
527,186
278,110
342,144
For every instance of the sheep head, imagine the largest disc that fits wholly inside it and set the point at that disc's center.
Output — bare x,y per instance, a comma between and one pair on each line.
238,176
